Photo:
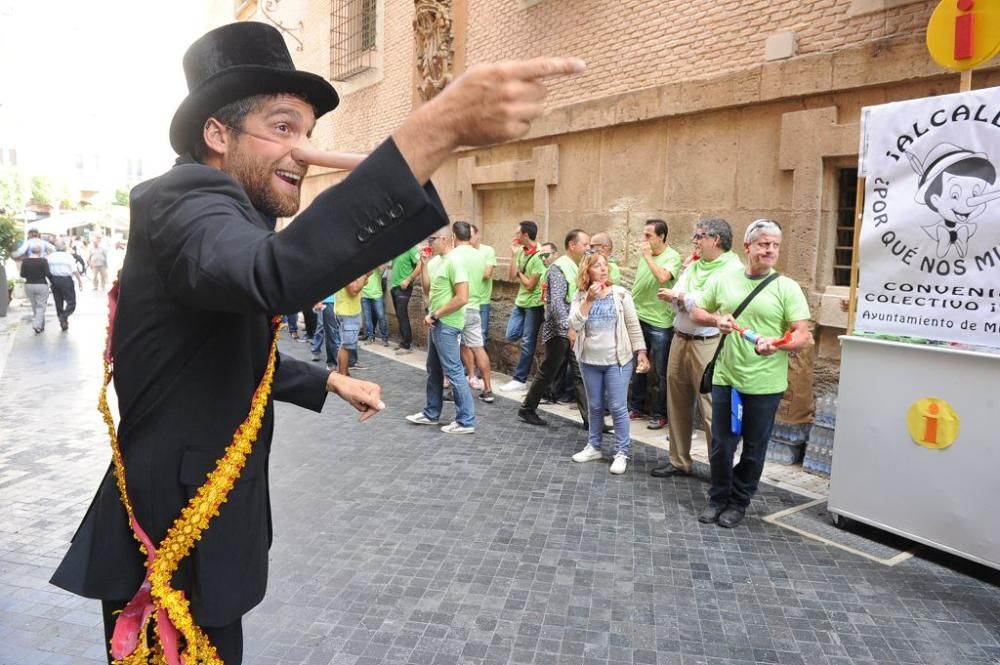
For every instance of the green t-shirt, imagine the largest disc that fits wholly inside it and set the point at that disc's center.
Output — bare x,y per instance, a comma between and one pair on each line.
403,265
570,270
472,260
490,257
648,307
373,287
346,304
529,265
444,274
768,314
614,272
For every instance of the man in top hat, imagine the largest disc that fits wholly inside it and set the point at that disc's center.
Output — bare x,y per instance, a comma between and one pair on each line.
205,274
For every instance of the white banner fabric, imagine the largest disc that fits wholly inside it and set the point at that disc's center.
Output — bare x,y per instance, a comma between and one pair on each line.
930,232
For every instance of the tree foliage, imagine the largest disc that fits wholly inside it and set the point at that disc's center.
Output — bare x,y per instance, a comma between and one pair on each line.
10,236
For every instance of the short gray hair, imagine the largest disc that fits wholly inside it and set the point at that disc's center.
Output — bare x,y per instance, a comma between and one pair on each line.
760,226
718,227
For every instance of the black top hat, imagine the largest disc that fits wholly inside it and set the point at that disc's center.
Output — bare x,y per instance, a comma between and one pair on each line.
236,61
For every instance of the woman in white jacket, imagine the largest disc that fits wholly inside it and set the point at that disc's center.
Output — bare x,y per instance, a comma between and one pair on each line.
608,337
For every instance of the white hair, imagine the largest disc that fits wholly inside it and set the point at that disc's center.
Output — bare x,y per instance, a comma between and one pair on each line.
768,226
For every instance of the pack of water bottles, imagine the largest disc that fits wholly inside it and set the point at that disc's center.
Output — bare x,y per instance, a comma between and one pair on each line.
819,451
787,442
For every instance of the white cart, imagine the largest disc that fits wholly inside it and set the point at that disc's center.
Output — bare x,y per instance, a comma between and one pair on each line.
947,498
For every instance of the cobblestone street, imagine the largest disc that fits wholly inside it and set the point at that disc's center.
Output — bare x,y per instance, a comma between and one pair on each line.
401,545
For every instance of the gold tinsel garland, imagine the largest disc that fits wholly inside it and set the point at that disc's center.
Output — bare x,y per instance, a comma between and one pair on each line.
188,527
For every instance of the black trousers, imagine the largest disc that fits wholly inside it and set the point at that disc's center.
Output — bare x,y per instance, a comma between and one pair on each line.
64,295
310,319
557,352
401,303
227,640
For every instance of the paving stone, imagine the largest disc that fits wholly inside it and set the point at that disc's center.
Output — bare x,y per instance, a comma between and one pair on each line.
400,545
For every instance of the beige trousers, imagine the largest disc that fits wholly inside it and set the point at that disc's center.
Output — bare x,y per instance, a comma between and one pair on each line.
685,366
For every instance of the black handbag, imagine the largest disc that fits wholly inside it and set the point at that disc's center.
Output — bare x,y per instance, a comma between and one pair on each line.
709,373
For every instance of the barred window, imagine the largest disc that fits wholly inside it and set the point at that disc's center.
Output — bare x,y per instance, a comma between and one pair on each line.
352,38
847,190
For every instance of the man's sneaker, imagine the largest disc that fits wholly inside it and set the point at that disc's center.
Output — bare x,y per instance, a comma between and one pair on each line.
513,386
529,416
475,383
385,342
487,396
619,464
657,423
455,428
358,365
402,352
421,419
635,415
368,340
316,357
588,454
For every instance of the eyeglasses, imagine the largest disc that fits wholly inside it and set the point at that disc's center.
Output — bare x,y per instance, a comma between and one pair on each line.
698,236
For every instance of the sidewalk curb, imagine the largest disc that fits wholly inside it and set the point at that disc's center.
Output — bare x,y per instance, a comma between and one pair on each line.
788,478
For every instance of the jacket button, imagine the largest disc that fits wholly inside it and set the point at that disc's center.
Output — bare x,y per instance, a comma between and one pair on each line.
396,211
380,222
362,236
370,230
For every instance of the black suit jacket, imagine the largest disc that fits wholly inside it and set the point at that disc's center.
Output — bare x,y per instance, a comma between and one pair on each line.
203,275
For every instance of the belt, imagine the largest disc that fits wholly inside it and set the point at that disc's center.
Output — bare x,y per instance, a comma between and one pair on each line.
695,338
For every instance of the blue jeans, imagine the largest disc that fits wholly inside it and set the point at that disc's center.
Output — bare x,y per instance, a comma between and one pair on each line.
484,316
327,334
736,486
607,385
444,359
657,348
374,312
524,324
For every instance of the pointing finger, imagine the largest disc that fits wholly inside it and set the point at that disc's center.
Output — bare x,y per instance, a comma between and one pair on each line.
543,67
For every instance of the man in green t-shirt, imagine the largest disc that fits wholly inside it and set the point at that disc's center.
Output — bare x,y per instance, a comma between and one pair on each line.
473,346
404,270
658,268
490,257
373,308
526,268
755,373
601,243
446,285
347,309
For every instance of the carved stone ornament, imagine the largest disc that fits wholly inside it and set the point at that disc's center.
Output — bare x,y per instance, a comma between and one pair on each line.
435,46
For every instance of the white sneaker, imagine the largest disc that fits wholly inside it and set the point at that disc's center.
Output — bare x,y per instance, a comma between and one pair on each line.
619,464
421,419
513,386
475,383
588,454
454,428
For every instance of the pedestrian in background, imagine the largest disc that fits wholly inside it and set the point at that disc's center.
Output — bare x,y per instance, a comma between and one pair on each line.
62,268
35,271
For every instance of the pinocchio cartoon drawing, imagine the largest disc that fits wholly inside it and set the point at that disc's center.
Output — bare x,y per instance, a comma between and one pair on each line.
955,183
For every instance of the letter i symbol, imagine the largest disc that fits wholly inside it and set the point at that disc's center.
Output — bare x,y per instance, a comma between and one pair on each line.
931,424
963,30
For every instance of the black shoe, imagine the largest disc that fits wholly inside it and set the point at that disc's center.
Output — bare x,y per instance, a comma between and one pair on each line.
731,516
667,470
529,416
711,513
64,324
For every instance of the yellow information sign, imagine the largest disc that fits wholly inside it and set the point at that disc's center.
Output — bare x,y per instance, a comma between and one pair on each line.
964,33
932,423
